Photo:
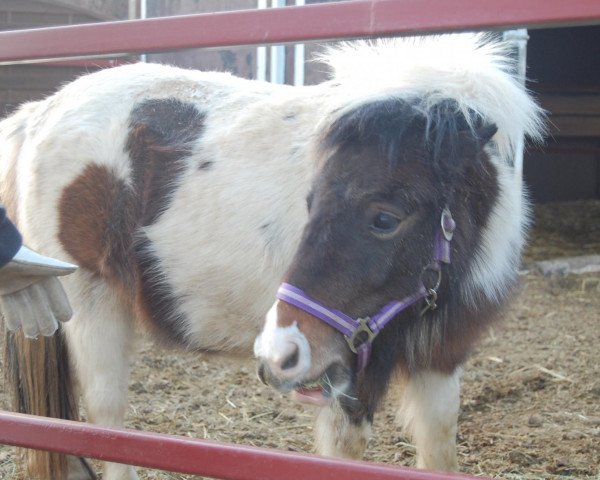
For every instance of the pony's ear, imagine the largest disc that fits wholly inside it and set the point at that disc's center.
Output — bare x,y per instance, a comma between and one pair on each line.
471,140
470,143
484,134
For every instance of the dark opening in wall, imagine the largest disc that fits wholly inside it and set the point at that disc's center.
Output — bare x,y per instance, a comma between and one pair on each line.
564,72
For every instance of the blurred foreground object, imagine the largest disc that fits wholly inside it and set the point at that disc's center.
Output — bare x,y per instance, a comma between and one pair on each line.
31,296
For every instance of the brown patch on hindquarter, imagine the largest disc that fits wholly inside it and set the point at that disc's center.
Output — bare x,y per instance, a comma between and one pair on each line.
101,215
97,223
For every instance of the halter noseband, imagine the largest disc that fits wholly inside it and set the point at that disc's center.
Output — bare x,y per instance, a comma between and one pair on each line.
360,333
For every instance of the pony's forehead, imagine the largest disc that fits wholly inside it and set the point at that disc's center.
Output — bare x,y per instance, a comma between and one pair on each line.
472,69
384,134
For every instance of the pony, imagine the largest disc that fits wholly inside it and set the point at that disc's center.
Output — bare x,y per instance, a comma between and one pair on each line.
383,197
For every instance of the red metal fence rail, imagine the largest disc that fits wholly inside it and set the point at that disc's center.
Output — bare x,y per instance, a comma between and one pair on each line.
192,456
292,24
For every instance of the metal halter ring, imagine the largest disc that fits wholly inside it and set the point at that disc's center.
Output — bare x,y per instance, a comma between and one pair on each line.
362,327
433,267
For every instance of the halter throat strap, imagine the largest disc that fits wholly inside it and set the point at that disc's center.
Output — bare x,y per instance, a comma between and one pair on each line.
360,333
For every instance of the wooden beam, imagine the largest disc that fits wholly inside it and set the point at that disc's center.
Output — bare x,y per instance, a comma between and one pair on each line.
571,104
574,126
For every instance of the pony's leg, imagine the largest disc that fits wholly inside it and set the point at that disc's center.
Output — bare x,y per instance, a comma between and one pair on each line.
429,411
100,341
79,469
337,435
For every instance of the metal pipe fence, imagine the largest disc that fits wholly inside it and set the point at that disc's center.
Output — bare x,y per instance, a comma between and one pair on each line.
327,21
338,20
192,456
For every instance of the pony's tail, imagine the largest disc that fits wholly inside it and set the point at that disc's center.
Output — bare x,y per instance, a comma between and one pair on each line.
38,376
37,372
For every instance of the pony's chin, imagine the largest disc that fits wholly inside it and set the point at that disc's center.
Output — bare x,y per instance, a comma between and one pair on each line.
313,396
321,392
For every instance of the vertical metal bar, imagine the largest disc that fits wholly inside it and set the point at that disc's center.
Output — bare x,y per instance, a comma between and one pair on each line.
261,52
518,39
277,53
299,57
143,15
133,9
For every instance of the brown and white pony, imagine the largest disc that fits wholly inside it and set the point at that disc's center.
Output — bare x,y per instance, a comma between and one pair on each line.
183,197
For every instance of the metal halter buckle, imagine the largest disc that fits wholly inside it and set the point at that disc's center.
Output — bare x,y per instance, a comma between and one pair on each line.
362,327
430,300
431,297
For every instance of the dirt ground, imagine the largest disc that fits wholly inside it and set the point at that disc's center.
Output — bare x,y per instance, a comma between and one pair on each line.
531,392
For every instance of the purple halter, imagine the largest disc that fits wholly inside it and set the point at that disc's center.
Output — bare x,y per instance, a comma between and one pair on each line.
360,333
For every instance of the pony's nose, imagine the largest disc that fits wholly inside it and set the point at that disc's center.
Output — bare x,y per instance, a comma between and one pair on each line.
283,351
285,360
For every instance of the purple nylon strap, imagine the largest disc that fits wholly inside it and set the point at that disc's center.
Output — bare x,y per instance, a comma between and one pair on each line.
338,320
345,324
370,326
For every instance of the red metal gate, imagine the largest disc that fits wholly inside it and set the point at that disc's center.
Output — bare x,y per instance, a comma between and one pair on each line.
185,455
356,18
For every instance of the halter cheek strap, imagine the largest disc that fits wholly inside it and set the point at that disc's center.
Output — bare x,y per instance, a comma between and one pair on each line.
360,333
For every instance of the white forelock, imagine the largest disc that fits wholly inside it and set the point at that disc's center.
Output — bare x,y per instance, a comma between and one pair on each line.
474,70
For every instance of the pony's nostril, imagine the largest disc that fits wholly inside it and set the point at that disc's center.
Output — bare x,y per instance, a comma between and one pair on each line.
291,360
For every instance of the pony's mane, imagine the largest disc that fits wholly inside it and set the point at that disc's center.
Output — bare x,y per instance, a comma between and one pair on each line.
392,125
474,71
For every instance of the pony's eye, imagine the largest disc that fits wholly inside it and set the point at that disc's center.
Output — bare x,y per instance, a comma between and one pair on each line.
384,222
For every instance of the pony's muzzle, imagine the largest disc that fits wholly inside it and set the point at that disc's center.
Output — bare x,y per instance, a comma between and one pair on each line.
283,352
283,359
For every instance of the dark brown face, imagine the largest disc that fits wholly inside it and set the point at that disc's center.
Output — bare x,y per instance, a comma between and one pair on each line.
373,214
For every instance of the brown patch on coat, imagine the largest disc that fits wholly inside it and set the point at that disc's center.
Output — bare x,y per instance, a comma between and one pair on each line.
162,132
101,215
97,223
155,301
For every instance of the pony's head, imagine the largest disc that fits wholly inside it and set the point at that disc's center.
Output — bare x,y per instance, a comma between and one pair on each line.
415,224
392,169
